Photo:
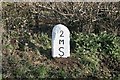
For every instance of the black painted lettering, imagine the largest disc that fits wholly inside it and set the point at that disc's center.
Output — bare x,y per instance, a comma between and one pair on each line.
60,49
61,35
61,41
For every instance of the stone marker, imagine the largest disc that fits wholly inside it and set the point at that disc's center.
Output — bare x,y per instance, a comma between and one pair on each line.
60,41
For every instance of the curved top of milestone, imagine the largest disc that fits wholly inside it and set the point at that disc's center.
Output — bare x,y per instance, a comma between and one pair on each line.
60,27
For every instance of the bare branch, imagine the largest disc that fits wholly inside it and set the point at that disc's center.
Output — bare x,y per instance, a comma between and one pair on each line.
60,13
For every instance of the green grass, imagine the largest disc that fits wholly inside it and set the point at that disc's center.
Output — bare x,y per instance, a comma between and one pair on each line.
88,52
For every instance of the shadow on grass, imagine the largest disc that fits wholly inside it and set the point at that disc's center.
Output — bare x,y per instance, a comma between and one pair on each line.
43,28
42,51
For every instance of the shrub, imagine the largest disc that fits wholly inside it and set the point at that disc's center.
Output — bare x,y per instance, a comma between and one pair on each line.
93,50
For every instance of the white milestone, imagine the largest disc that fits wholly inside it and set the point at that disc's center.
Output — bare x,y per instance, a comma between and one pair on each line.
60,41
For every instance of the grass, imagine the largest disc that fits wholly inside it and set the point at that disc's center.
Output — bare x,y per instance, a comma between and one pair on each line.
35,61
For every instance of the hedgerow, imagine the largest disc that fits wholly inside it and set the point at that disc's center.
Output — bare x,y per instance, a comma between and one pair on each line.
95,40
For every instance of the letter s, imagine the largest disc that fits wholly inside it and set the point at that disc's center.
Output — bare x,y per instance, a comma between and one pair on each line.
61,51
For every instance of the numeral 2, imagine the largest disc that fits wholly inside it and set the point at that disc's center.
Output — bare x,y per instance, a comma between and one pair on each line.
61,35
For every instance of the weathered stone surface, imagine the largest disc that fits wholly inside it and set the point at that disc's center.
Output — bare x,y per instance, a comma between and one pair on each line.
60,41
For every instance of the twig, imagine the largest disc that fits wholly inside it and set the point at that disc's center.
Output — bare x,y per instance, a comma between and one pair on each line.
63,14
